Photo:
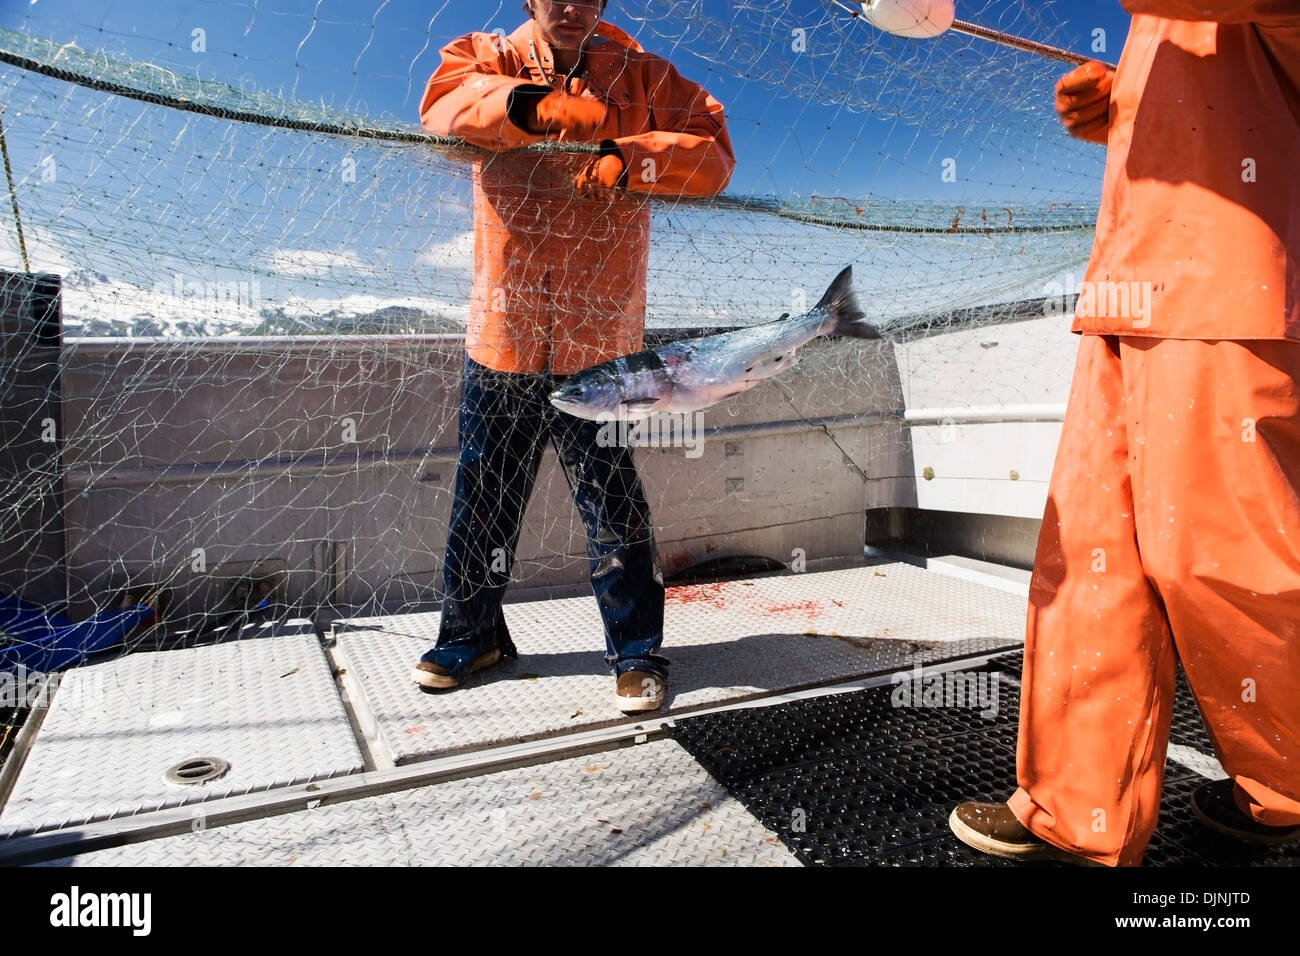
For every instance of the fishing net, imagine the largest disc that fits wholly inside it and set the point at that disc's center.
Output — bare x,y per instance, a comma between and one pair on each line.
244,385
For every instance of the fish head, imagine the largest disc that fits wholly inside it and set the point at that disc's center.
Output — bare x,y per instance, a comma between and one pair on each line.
592,394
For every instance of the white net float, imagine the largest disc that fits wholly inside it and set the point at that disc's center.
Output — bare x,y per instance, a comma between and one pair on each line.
917,19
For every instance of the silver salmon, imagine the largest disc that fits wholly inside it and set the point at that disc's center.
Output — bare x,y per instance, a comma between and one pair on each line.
691,374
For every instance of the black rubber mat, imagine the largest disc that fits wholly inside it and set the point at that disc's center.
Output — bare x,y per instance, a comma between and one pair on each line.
853,779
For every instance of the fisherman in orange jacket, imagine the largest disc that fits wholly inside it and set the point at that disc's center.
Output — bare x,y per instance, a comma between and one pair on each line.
561,247
1172,528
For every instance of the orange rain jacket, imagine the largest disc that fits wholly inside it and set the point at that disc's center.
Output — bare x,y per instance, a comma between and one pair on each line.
559,279
1199,209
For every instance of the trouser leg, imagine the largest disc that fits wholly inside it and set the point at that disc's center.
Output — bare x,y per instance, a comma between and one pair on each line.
1218,509
625,573
502,433
1098,682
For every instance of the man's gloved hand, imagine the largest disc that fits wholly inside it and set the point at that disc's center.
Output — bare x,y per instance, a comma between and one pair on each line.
577,116
1083,101
601,176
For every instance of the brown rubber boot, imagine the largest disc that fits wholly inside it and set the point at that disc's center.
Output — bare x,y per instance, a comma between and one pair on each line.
1215,807
639,691
992,828
428,674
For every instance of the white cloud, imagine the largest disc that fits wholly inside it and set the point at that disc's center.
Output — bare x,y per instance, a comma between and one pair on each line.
212,305
317,263
44,252
456,253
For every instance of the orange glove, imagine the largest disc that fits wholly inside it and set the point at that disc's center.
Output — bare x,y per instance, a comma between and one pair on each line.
577,116
1083,101
601,176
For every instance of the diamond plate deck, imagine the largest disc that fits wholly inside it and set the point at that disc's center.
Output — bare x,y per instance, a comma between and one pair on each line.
646,805
268,705
726,641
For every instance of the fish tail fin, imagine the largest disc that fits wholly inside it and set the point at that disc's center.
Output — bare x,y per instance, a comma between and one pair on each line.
843,314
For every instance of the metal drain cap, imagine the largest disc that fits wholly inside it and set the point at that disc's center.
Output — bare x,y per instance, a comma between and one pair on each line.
196,770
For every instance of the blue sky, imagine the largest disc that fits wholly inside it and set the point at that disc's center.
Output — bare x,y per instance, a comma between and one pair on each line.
832,120
854,115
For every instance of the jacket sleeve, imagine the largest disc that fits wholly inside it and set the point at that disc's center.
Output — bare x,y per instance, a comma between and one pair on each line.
687,151
469,96
1264,12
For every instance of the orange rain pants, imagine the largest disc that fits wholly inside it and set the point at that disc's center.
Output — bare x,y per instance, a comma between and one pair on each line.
1172,526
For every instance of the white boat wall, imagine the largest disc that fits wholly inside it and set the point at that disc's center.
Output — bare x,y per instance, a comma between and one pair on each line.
330,461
